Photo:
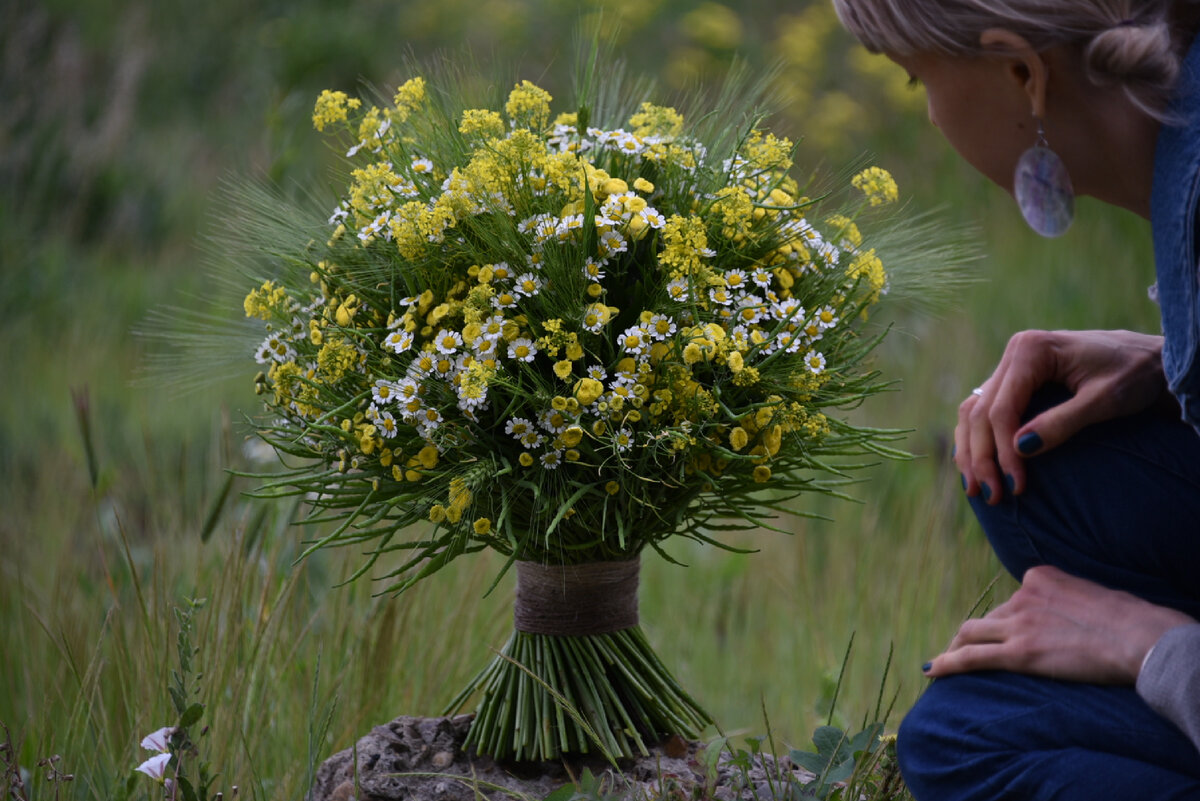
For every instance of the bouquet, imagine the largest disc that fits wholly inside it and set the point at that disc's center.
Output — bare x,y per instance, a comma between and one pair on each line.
565,337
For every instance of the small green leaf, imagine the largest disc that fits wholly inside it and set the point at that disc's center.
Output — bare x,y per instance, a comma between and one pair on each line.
186,789
191,715
564,793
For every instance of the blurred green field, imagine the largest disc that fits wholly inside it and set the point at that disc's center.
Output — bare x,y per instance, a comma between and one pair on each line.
122,123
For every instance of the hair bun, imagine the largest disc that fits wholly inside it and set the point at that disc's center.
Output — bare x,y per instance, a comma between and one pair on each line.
1136,56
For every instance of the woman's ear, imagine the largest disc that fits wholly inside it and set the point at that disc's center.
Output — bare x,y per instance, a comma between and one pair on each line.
1024,64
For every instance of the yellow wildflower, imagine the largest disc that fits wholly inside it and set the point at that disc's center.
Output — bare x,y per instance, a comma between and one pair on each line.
332,107
528,106
410,96
877,184
482,526
481,122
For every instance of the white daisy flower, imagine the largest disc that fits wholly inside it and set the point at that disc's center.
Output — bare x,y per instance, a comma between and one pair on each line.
384,392
720,295
274,348
678,290
518,427
493,327
652,217
527,284
636,340
553,421
551,459
398,341
593,270
447,342
531,439
522,349
385,424
660,326
611,243
735,280
815,361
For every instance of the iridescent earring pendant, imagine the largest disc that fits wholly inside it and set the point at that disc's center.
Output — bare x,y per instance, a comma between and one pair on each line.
1043,189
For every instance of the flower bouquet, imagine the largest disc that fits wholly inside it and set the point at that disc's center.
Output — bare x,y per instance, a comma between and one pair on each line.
565,337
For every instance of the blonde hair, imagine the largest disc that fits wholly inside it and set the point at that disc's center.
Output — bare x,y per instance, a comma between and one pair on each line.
1132,44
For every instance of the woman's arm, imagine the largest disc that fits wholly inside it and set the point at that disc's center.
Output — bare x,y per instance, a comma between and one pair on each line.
1064,627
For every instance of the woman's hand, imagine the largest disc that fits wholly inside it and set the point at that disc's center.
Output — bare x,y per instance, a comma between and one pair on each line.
1110,373
1063,627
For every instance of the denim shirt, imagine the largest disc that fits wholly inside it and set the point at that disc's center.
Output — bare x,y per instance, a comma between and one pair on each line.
1174,202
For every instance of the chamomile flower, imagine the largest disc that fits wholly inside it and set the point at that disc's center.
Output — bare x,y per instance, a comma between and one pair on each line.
593,269
551,459
522,349
518,427
720,295
636,340
660,327
385,424
610,244
815,361
679,290
527,285
398,341
447,342
384,392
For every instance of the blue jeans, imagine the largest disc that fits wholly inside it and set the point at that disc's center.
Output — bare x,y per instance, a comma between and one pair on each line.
1118,504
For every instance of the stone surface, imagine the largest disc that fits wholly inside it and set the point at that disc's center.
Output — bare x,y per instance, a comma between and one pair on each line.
421,759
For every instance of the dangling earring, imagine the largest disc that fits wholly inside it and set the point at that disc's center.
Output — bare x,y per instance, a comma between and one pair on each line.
1043,189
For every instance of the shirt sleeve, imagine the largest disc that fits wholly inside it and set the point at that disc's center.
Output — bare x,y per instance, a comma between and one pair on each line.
1170,679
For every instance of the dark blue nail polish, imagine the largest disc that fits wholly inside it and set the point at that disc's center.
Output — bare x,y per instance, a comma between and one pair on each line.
953,451
1029,443
925,667
1010,484
964,480
985,490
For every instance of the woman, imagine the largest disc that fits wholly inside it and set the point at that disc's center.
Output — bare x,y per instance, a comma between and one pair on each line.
1078,453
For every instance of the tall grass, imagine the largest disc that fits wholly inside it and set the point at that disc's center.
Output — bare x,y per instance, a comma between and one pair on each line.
91,572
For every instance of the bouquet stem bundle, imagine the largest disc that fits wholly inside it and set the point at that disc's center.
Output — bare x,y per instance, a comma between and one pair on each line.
545,695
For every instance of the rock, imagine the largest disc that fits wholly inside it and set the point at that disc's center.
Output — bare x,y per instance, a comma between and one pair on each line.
421,759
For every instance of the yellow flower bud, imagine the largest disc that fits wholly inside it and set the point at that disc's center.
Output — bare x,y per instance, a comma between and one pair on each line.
526,459
572,436
563,368
762,474
738,438
482,526
587,390
428,457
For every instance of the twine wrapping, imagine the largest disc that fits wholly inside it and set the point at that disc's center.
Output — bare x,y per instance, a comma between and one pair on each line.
576,600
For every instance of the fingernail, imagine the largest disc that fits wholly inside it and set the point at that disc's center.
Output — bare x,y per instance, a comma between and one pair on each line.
1010,484
1029,443
985,490
964,480
926,667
